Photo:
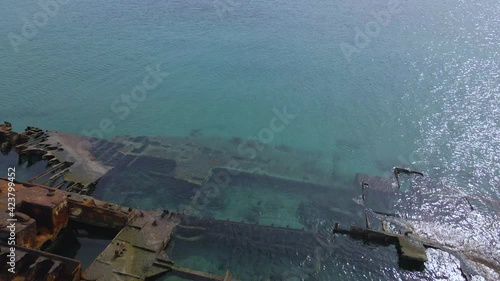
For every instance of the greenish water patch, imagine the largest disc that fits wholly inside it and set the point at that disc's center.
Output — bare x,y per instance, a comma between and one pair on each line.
148,183
145,183
82,242
423,93
275,201
284,257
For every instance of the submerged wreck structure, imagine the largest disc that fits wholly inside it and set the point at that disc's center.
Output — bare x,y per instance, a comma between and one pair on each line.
163,200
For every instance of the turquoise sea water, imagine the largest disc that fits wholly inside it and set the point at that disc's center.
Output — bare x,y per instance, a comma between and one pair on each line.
422,91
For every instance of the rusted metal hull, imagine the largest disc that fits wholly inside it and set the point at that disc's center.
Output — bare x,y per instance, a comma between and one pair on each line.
33,265
62,193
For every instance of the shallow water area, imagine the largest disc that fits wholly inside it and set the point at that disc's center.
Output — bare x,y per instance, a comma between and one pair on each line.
82,243
422,93
147,183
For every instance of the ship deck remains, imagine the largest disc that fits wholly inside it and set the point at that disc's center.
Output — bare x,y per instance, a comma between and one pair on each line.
62,193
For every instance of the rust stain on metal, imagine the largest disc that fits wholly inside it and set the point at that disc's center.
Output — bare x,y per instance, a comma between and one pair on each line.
138,251
38,266
141,243
42,213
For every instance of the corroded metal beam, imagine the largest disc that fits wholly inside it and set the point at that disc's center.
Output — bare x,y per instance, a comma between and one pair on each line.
40,213
409,249
37,265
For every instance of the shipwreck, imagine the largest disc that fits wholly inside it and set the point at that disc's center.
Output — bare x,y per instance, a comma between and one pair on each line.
152,197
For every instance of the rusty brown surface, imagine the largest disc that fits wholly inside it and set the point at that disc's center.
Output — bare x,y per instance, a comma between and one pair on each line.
33,265
35,144
88,210
136,253
8,138
41,213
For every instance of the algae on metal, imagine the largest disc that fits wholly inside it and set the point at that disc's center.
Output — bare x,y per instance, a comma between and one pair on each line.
140,250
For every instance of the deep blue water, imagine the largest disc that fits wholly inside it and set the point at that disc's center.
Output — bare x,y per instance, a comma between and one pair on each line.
421,90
